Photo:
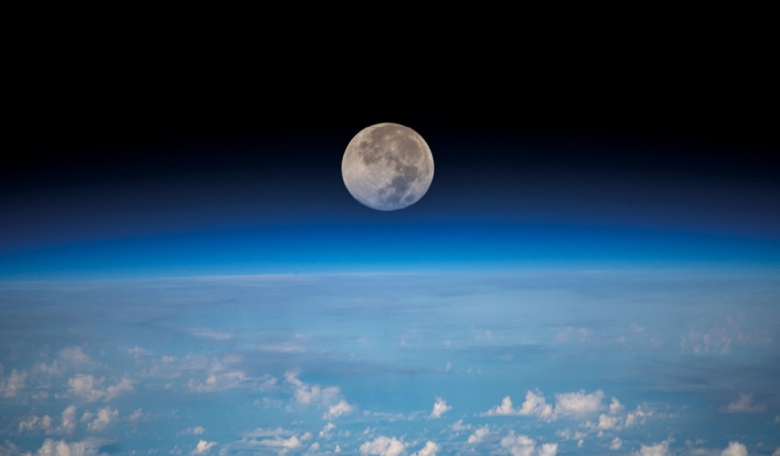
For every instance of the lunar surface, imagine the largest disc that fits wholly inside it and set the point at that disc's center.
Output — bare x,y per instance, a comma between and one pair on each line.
387,166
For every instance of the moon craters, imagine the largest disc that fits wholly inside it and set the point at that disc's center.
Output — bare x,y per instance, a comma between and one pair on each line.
387,166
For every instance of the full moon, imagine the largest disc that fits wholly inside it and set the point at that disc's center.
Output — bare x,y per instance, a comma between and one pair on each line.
387,166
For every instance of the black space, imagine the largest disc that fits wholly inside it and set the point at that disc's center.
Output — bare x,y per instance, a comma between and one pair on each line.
76,128
704,110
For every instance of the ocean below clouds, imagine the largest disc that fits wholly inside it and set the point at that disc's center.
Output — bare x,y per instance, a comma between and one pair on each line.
524,362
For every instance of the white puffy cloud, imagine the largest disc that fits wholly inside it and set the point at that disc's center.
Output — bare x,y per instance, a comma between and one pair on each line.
86,386
221,374
615,407
289,443
339,409
124,386
104,416
504,409
74,355
777,452
306,393
14,383
89,388
203,447
478,435
36,423
325,432
535,404
49,369
638,416
578,403
383,446
522,445
197,430
459,426
744,404
607,422
616,444
734,449
69,419
217,381
440,407
659,449
430,449
568,435
61,448
319,396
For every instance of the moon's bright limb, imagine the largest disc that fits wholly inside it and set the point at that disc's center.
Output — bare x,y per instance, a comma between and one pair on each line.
387,166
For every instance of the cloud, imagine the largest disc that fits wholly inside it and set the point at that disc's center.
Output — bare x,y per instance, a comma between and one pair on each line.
325,432
615,407
478,435
578,403
13,384
341,408
50,369
203,447
137,351
104,416
290,443
306,393
522,445
638,416
124,386
440,407
734,449
535,404
35,423
659,449
430,449
383,446
213,334
197,430
88,388
568,435
221,375
262,439
616,444
51,447
504,409
459,426
743,405
607,422
69,419
74,355
318,396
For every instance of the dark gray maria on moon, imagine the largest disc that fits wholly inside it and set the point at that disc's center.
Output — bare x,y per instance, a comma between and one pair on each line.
387,166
